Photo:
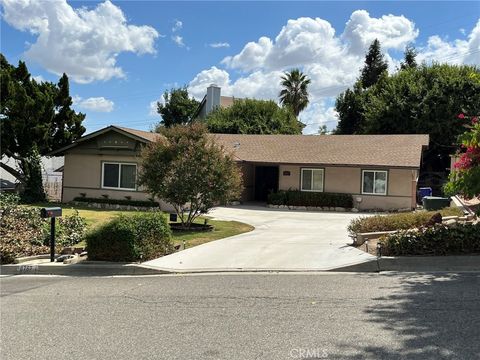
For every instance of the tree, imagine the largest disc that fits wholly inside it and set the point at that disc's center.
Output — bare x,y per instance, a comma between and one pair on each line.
188,170
375,65
249,116
178,107
409,60
295,91
465,177
322,130
349,106
424,100
33,116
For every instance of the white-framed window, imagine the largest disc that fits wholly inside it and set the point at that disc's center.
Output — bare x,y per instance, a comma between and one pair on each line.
311,180
121,176
374,182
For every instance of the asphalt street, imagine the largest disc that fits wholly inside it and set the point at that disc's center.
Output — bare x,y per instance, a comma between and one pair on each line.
242,316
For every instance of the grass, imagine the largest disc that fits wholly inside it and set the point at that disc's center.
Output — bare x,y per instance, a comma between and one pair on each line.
96,217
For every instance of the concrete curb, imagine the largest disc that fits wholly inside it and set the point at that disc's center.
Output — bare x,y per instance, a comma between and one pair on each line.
417,264
84,268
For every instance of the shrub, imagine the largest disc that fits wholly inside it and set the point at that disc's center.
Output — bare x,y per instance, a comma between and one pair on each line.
400,221
437,240
313,199
143,203
131,238
24,233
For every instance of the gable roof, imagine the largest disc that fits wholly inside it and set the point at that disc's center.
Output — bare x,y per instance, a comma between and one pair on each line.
139,135
349,150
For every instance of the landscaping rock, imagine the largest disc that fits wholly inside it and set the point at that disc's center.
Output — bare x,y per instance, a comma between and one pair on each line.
450,222
340,209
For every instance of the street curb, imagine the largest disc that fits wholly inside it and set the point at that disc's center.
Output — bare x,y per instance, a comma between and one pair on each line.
417,264
84,268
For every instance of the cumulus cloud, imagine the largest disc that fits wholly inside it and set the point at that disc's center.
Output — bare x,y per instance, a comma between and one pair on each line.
97,104
317,114
219,45
453,52
393,32
82,42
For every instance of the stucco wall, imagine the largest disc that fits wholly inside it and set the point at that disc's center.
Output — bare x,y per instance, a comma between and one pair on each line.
400,191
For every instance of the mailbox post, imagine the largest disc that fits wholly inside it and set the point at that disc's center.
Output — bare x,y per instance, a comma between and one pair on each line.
51,213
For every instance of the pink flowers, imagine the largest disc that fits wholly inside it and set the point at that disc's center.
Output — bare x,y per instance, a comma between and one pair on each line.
461,116
474,120
468,159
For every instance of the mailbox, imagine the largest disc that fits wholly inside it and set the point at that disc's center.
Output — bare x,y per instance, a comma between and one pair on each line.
51,212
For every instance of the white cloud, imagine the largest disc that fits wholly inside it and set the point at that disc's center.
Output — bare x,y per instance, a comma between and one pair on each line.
178,25
393,32
97,104
453,52
317,114
219,45
38,78
177,39
82,42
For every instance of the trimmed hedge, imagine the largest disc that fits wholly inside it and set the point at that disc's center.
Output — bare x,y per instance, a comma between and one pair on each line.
144,203
400,221
138,237
313,199
437,240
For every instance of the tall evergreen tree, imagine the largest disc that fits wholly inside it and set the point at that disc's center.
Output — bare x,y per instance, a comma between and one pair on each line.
409,58
349,106
295,91
33,116
375,65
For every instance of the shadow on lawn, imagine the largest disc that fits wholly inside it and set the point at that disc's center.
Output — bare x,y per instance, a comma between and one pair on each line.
432,316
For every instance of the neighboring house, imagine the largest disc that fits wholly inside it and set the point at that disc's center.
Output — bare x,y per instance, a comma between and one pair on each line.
211,101
51,176
380,171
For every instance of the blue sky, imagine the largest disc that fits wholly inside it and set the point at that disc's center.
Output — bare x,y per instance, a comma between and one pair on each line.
121,56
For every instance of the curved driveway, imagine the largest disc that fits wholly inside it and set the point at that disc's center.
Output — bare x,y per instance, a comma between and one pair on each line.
282,240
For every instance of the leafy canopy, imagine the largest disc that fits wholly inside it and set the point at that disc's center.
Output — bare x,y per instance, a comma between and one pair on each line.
295,91
178,108
188,170
248,116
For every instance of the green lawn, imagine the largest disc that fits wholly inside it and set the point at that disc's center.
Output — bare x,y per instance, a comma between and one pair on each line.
96,217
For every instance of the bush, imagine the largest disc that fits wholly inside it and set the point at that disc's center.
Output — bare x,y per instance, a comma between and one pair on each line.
143,203
24,233
313,199
131,238
437,240
400,221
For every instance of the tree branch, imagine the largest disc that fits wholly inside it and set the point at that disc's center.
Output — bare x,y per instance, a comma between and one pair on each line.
18,175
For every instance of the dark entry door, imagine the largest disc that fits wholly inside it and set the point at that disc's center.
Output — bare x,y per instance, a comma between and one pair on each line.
266,181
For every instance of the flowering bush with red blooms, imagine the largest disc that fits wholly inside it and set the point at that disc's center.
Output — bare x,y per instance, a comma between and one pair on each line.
465,179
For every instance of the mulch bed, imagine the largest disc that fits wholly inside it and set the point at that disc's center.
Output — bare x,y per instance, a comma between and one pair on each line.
193,227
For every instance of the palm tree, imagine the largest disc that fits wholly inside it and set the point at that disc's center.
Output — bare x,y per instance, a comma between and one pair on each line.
295,90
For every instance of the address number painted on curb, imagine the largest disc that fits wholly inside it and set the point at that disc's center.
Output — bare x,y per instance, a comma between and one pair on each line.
27,268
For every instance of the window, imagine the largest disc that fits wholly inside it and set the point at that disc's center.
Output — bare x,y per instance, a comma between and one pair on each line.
119,176
374,182
312,179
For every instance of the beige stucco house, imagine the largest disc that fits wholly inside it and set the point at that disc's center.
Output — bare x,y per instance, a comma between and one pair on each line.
380,171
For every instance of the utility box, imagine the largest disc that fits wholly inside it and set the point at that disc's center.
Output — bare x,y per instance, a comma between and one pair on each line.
173,217
51,212
435,203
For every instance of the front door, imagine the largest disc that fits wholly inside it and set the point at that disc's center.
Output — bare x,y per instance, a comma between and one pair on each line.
266,181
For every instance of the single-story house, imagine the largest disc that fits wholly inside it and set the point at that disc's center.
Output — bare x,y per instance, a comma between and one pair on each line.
380,171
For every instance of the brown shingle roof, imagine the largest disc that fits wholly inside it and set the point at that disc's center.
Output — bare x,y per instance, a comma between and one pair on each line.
149,136
368,150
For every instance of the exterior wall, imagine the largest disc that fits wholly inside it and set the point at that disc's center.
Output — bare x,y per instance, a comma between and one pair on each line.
83,174
248,178
401,188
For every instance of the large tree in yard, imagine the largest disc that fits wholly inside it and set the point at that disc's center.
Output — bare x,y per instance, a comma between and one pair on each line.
177,108
35,118
295,91
250,116
187,169
375,65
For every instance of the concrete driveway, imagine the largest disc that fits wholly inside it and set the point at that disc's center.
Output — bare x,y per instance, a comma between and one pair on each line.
282,240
